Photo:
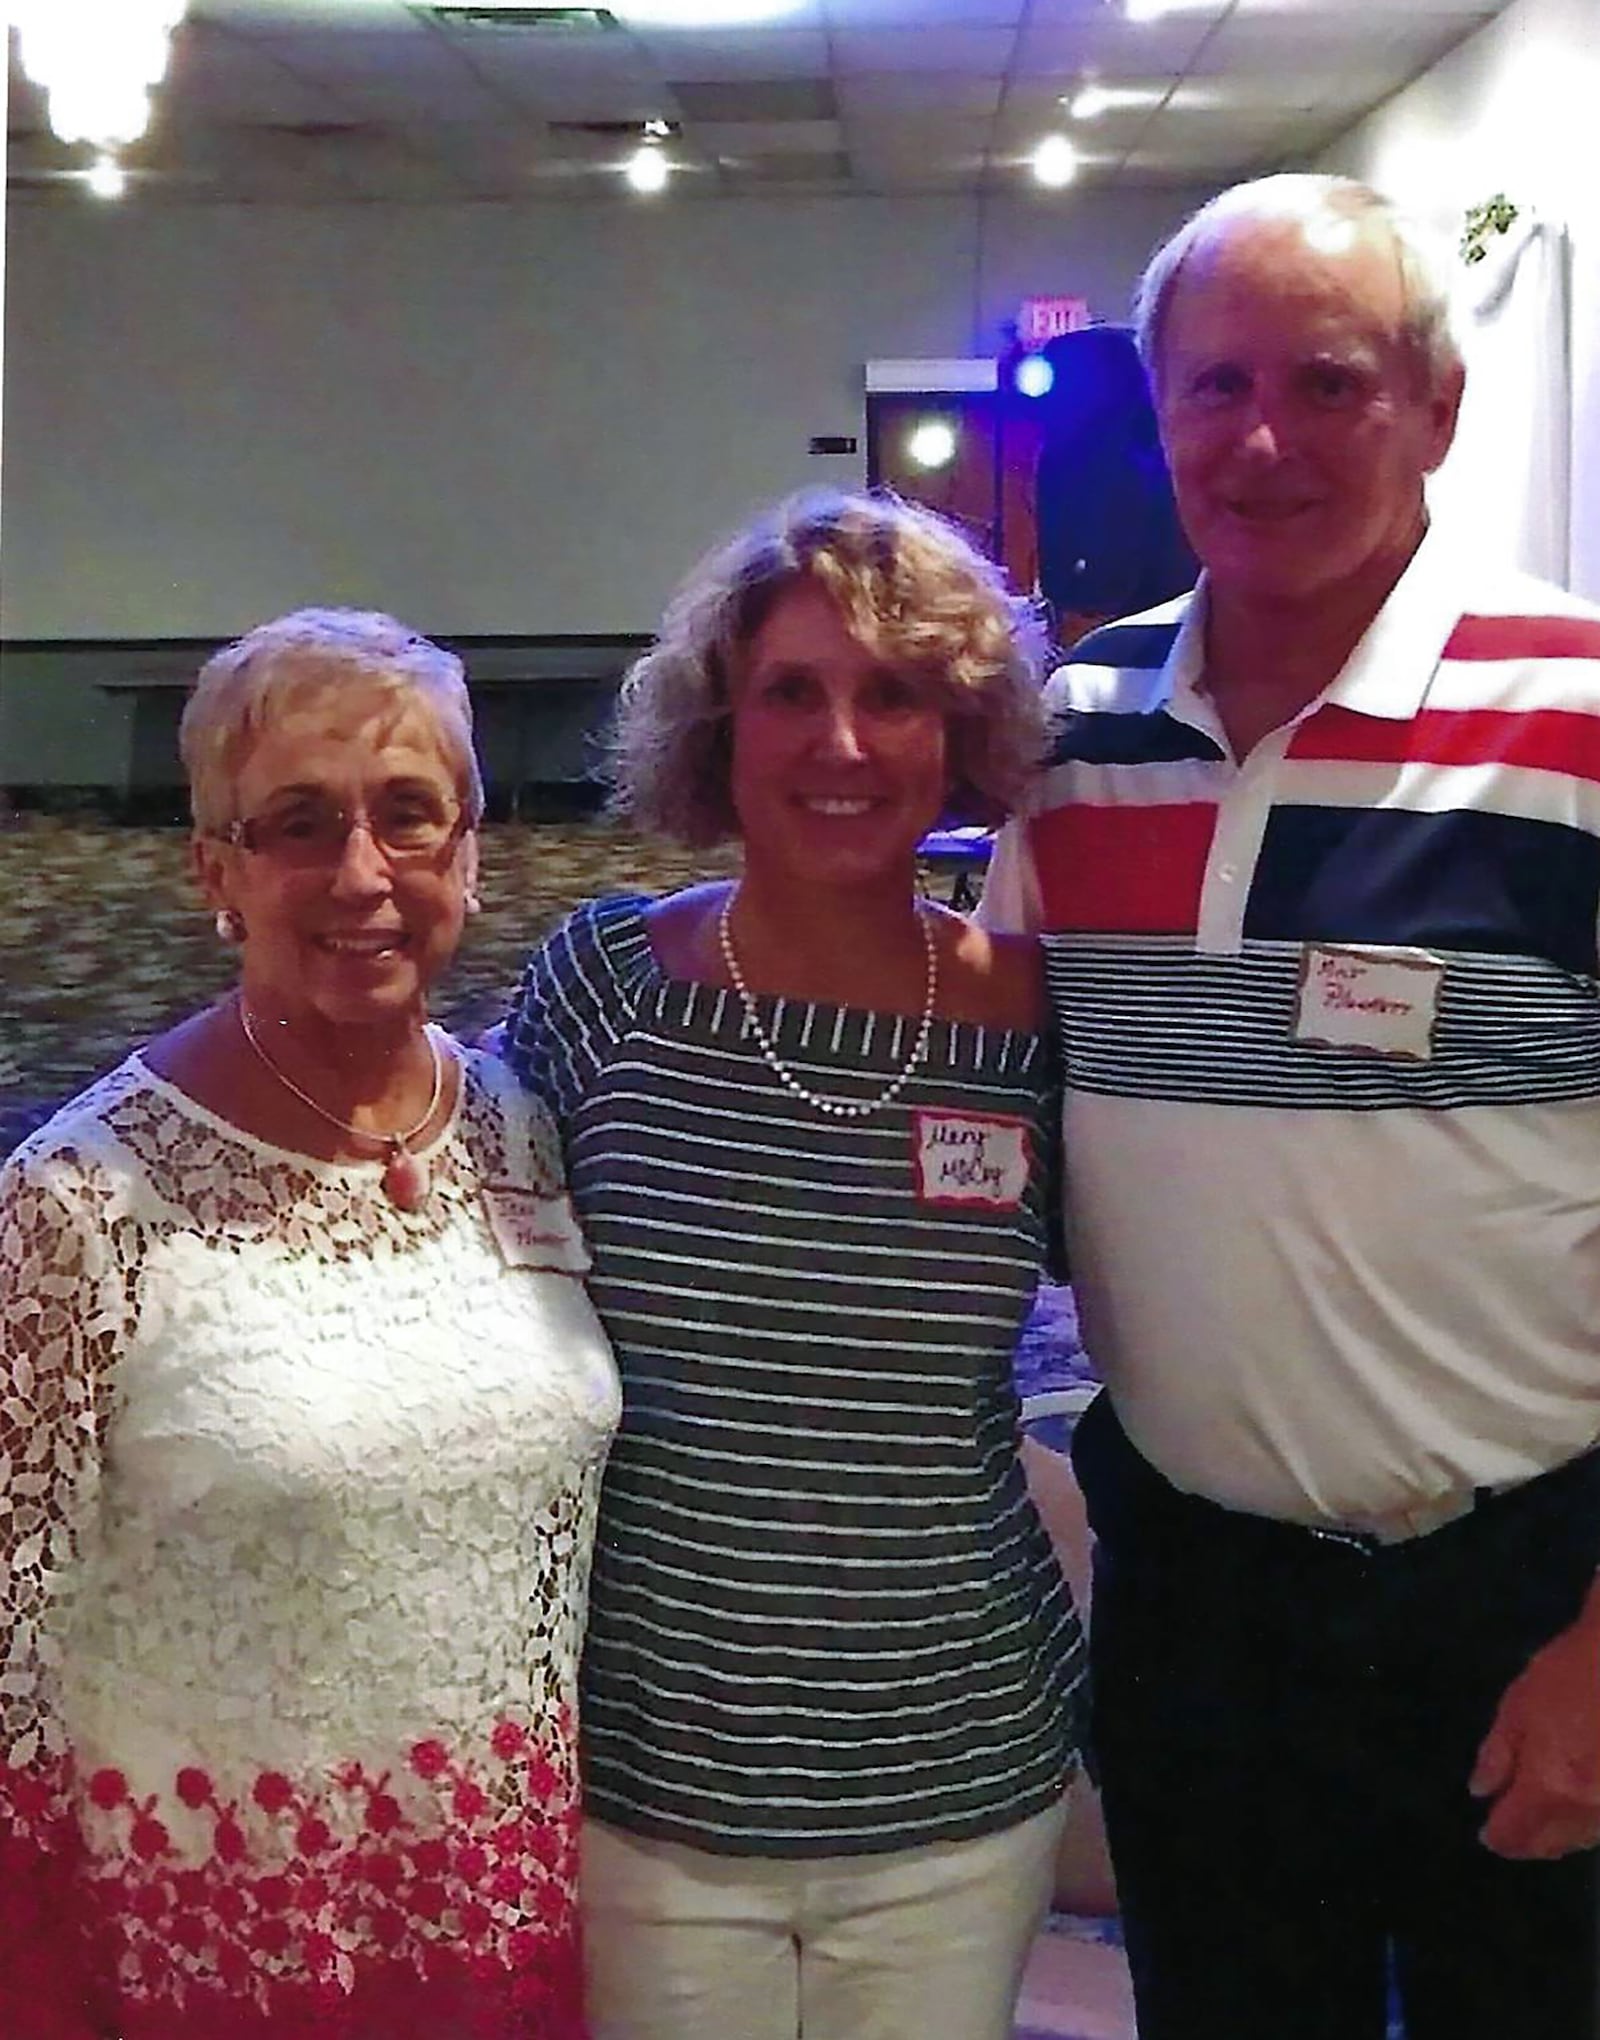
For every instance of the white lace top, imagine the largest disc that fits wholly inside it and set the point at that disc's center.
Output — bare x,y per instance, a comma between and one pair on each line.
296,1502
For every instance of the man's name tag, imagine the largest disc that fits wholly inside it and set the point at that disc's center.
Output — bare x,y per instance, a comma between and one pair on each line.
1377,1001
970,1158
533,1230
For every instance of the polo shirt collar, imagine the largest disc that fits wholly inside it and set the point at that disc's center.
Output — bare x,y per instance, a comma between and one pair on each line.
1387,674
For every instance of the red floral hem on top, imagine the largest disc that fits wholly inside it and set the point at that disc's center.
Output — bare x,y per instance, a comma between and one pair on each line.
432,1901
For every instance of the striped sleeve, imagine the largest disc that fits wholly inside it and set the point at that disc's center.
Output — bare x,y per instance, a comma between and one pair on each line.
576,1001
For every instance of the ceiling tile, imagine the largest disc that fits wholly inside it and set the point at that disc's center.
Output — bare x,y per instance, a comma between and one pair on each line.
813,171
984,51
1341,87
1403,41
487,159
400,164
938,138
354,53
261,164
735,53
294,17
874,92
1111,43
735,138
847,16
1373,10
754,99
590,78
233,79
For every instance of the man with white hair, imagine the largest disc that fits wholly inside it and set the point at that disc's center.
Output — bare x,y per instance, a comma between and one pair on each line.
1317,862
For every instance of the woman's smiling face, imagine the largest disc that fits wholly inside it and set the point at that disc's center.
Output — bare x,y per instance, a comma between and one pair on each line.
354,934
840,761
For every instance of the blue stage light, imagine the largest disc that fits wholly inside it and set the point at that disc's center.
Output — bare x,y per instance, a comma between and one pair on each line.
1034,376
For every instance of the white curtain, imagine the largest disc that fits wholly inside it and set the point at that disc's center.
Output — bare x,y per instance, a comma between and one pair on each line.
1505,485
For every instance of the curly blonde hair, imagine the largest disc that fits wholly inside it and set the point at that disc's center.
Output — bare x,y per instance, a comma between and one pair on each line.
309,652
912,589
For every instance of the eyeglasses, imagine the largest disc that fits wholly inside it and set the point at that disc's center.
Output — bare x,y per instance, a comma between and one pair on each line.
408,824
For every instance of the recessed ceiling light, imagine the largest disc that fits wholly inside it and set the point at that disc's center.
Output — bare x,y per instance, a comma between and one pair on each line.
1088,102
647,169
106,177
1055,161
931,443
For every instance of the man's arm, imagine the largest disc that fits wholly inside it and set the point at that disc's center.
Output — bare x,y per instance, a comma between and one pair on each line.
1539,1764
1010,902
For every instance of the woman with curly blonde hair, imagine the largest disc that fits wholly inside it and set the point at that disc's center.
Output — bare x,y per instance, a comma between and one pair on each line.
832,1669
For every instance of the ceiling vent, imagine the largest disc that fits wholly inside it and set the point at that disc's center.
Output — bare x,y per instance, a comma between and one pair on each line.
617,130
507,16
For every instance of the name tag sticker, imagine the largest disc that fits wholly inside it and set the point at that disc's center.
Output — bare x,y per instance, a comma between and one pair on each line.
970,1158
535,1231
1376,1001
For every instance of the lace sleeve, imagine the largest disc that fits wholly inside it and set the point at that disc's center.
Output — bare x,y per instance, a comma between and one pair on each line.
62,1317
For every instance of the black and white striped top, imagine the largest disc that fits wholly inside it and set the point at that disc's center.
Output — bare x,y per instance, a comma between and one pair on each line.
825,1619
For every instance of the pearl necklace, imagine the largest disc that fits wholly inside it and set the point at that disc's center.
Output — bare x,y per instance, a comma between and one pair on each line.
833,1108
405,1175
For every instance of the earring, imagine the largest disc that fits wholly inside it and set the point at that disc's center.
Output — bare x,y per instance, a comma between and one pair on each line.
472,904
230,926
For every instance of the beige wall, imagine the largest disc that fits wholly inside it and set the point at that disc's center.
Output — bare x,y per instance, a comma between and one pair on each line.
490,418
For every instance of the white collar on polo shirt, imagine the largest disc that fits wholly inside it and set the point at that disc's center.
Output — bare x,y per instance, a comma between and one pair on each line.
1388,672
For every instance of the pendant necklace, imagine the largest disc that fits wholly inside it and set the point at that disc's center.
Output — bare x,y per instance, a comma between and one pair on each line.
405,1175
834,1108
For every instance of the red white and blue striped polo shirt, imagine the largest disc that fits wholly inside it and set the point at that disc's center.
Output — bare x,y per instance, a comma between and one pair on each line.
1328,1281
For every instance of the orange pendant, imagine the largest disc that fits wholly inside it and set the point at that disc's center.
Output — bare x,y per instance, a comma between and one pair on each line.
405,1180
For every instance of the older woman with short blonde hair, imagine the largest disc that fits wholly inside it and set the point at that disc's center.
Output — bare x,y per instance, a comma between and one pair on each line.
831,1682
302,1409
295,659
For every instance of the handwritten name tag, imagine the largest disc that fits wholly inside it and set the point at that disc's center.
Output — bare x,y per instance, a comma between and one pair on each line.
535,1231
1378,1001
971,1158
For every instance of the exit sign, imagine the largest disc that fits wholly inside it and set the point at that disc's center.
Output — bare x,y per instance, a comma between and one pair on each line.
1043,319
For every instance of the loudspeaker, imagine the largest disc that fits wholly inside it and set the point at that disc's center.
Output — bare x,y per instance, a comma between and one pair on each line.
1109,539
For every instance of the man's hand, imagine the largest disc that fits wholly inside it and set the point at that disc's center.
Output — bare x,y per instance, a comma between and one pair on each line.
1540,1761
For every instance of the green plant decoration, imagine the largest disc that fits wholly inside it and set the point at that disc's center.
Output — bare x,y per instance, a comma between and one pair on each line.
1494,216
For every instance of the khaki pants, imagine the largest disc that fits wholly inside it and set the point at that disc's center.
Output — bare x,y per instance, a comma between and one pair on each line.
919,1944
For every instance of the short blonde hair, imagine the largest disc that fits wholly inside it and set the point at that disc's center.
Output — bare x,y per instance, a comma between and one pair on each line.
910,586
297,657
1310,199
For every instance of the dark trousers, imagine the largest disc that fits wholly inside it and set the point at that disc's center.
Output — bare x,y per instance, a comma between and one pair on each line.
1284,1726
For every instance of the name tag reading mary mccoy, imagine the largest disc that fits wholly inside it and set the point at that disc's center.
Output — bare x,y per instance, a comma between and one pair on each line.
971,1158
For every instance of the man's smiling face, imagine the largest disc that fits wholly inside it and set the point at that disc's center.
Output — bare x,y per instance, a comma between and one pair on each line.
1298,418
